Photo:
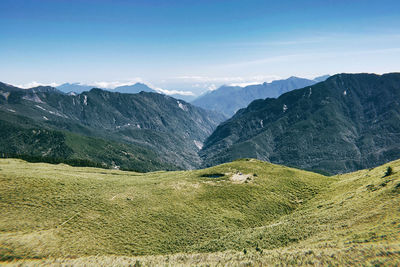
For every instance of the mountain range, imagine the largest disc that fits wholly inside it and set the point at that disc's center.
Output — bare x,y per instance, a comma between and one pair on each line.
143,131
346,123
78,88
127,89
229,99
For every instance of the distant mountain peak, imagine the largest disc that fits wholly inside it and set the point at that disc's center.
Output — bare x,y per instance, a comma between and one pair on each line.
76,83
133,89
140,84
228,99
75,87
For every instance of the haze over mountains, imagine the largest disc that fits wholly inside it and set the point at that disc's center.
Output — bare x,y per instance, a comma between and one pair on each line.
226,99
77,88
229,99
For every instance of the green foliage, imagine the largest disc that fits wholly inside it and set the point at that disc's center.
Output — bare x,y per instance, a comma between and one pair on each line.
154,131
389,171
37,144
17,140
323,129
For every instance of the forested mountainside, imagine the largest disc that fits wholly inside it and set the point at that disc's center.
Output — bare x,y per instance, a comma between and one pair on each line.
346,123
112,129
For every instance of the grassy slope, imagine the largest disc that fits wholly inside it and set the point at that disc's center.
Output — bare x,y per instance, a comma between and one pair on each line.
60,211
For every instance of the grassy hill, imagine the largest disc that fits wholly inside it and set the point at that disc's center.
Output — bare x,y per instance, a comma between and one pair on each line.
246,212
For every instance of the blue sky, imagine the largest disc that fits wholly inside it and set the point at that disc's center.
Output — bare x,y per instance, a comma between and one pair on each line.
194,45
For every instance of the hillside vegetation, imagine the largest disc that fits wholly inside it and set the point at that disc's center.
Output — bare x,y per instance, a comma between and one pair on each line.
346,123
142,132
23,138
246,212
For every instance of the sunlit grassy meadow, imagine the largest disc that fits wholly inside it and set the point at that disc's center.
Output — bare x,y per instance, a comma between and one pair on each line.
270,214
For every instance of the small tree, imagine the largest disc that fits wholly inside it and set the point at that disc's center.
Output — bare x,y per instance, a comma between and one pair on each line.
389,171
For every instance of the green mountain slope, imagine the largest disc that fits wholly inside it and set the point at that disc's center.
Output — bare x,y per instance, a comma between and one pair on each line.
134,124
348,122
244,212
24,138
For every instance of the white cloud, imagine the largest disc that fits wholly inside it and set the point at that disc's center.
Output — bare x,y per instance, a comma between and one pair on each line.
114,84
161,90
244,84
212,87
35,84
173,92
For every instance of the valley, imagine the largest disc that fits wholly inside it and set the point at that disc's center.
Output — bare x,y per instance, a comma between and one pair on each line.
345,123
143,132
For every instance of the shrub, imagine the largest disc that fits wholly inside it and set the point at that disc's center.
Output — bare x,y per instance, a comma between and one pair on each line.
389,171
